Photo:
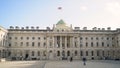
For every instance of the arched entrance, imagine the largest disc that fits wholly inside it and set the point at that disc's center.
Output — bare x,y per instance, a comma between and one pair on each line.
63,55
51,55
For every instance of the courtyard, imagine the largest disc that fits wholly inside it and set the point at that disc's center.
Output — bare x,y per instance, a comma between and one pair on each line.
61,64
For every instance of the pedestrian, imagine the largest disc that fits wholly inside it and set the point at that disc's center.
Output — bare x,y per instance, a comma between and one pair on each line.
84,61
71,59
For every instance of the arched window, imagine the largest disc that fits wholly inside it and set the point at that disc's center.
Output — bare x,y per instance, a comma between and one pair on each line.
97,53
103,53
86,44
38,53
44,53
75,53
33,38
86,53
38,44
92,53
58,53
81,53
32,53
97,44
27,43
68,53
91,44
102,44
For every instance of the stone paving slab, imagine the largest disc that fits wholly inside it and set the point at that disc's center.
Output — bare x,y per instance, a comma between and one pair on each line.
79,64
60,64
22,64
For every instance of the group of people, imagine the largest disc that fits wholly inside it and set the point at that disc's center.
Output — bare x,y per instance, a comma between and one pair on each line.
84,60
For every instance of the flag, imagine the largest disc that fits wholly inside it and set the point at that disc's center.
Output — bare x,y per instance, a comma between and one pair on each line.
59,8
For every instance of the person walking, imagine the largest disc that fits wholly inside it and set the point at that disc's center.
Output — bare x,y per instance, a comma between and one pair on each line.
71,59
84,61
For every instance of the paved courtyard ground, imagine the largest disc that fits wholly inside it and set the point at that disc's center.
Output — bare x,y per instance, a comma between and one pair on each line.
60,64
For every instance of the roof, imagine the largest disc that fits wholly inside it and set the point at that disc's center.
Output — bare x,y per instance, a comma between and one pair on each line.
60,22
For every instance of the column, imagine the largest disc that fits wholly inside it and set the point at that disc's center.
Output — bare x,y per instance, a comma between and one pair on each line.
54,42
65,41
60,41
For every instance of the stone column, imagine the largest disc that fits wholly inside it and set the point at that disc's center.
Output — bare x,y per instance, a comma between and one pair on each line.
54,42
60,41
65,41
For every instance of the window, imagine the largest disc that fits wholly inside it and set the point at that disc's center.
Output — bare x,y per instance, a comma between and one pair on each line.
50,44
86,38
9,53
68,46
91,44
68,53
107,45
96,38
97,53
38,44
44,38
27,38
62,30
107,38
102,44
33,44
103,53
97,44
86,44
44,44
10,38
57,30
44,53
112,38
75,44
86,53
81,38
38,53
21,38
102,38
16,38
38,38
92,53
9,44
27,43
91,38
32,53
80,45
112,45
81,53
75,53
58,53
33,38
21,43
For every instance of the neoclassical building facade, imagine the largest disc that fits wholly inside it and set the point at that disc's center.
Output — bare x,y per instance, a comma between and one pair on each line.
3,42
60,42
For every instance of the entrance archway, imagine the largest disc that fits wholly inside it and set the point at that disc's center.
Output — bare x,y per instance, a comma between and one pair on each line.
51,55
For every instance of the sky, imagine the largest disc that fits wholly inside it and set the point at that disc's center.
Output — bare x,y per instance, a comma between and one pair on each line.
44,13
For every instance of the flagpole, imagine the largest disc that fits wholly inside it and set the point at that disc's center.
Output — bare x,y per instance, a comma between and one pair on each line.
60,12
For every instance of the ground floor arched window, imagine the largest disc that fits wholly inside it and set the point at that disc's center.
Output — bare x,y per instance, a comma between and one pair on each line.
81,53
32,53
58,53
76,53
68,53
92,53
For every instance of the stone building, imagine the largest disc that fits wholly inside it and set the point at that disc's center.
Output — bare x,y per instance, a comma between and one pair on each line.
3,42
61,42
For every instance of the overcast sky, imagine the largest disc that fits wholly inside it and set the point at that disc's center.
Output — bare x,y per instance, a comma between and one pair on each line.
43,13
